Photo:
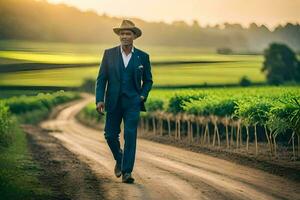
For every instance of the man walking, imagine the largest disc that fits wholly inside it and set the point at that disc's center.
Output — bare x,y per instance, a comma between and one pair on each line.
125,79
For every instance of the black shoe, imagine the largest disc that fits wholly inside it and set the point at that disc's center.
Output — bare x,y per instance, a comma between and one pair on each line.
118,171
127,178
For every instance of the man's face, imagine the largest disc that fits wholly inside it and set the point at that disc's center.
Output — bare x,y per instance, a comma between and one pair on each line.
126,37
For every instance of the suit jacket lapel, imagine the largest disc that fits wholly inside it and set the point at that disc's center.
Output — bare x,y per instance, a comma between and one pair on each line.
136,64
136,60
118,61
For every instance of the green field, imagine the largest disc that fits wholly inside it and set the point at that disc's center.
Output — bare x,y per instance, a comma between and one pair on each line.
209,68
40,51
188,74
57,77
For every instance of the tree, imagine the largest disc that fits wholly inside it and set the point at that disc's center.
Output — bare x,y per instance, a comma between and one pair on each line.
245,81
280,64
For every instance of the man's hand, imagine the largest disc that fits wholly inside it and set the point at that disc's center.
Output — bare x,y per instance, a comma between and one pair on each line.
142,98
100,107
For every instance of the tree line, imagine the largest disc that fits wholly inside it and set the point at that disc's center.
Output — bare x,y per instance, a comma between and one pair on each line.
40,20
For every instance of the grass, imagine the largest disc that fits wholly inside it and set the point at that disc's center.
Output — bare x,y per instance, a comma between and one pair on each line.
215,73
18,172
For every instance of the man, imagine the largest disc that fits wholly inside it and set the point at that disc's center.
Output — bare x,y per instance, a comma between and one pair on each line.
126,72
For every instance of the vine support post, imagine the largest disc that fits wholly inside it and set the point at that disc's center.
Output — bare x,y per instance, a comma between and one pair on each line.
176,128
231,135
147,125
293,143
198,131
154,125
192,133
179,129
226,128
215,133
189,130
275,146
240,133
269,140
169,126
247,140
237,135
255,138
161,123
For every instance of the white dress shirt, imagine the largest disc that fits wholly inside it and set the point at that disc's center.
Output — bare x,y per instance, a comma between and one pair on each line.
125,57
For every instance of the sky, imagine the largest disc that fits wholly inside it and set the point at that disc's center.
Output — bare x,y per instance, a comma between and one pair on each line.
206,12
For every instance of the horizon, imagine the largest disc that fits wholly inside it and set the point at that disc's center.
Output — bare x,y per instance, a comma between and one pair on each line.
234,11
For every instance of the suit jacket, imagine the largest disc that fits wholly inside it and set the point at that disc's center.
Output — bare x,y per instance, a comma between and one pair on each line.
108,82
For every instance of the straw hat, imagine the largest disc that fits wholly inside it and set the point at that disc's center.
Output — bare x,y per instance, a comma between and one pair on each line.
128,25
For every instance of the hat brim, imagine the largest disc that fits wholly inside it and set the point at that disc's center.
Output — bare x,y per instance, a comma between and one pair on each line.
136,30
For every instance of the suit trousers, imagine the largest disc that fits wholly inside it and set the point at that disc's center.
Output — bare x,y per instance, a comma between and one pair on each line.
128,109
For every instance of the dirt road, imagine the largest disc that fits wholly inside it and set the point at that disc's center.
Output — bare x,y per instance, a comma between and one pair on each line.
165,172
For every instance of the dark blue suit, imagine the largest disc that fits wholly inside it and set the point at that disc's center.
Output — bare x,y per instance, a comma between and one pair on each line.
122,99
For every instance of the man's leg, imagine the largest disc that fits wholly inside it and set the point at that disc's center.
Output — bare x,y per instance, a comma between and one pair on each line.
112,132
131,118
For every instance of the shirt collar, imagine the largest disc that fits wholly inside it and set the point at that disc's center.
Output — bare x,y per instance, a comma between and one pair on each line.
122,51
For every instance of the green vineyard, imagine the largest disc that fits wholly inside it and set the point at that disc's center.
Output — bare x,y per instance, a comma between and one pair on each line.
29,109
236,118
235,115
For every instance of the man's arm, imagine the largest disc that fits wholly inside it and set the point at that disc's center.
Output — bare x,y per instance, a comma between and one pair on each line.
101,80
147,79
